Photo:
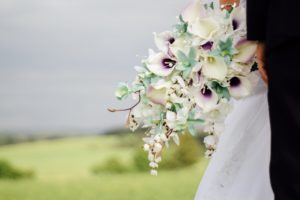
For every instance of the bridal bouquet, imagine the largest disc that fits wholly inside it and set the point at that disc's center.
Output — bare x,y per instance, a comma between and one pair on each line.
187,84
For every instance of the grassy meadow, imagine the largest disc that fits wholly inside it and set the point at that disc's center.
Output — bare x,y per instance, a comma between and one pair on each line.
63,172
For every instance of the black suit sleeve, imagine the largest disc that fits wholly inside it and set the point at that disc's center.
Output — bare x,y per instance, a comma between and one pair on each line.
257,11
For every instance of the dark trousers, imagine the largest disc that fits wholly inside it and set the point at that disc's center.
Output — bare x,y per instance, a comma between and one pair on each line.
283,66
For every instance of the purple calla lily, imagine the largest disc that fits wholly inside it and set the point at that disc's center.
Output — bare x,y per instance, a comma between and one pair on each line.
160,64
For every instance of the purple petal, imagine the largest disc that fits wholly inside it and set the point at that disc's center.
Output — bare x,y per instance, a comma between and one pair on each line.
235,82
207,46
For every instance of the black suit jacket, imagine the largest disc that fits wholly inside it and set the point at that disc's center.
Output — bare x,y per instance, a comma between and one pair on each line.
273,21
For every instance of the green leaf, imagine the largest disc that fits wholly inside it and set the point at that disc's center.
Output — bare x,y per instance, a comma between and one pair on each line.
212,6
220,90
196,120
182,57
181,19
192,54
192,129
122,91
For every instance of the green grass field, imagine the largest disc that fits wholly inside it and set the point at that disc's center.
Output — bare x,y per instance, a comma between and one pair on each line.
62,172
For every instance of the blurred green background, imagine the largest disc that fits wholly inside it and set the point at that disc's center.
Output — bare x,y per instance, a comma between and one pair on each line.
107,167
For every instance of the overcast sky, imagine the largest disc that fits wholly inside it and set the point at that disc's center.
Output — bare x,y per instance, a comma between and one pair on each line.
61,60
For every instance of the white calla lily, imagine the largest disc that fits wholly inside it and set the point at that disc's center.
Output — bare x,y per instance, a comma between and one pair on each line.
215,68
180,44
238,18
164,40
192,11
246,51
205,98
240,87
158,96
160,64
205,28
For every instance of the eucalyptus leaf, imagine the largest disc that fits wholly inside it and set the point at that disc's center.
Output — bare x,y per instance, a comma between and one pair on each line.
122,91
192,129
222,92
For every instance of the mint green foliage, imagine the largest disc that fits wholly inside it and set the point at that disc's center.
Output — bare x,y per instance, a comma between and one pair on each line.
220,90
137,87
225,49
210,5
192,122
186,62
122,91
176,107
181,27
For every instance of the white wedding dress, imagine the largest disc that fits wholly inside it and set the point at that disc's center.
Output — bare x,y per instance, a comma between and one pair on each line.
239,169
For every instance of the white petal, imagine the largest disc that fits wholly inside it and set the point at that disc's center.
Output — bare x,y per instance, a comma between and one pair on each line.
180,44
192,11
206,103
155,64
162,40
158,96
239,16
246,51
162,83
215,68
204,28
171,116
210,141
244,89
153,172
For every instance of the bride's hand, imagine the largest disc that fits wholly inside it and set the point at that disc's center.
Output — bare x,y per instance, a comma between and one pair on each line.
260,56
228,3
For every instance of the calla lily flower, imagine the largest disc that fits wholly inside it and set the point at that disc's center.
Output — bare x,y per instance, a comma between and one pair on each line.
192,11
180,44
240,87
238,18
164,40
205,28
158,96
160,63
215,68
206,98
246,51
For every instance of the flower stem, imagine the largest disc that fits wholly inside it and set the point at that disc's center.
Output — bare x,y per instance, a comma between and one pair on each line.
127,109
